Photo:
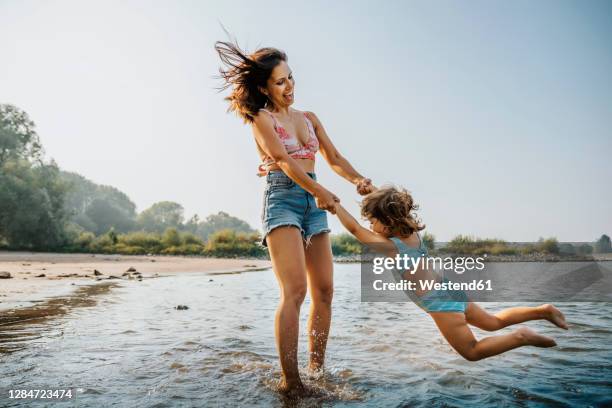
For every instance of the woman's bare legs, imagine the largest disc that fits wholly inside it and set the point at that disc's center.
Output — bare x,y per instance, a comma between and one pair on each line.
476,316
319,266
287,256
454,328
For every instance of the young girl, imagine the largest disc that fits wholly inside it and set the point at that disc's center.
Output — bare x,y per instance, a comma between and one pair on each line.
394,230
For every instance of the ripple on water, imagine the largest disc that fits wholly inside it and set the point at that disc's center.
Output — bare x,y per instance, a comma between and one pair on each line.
235,342
380,348
520,394
179,367
377,355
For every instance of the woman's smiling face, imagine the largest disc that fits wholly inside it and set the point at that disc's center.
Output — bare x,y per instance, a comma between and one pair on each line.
280,86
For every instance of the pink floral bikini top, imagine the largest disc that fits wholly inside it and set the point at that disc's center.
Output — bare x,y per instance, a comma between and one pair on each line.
293,146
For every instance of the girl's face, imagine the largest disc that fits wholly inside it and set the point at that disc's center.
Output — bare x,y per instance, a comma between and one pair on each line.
280,86
377,226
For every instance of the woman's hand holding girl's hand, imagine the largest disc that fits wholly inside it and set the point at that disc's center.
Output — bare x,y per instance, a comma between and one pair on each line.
326,200
364,186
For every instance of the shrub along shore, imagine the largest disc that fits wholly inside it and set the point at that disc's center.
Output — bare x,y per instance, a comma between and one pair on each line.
234,244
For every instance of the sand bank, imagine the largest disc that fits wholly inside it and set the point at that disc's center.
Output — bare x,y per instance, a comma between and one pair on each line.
37,276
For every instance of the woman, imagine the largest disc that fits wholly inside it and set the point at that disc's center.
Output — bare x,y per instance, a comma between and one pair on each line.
294,221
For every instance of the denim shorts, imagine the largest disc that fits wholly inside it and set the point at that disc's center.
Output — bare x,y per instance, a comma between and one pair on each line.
286,203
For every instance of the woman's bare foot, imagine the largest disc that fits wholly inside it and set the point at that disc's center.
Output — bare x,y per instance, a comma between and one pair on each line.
293,389
532,338
315,370
554,315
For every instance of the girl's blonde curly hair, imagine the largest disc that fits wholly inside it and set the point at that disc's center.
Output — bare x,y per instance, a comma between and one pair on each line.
394,208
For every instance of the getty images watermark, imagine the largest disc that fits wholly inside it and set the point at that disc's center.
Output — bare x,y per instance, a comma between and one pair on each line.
402,265
397,278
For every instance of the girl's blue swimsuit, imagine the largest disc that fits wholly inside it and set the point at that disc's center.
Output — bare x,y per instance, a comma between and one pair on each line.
434,300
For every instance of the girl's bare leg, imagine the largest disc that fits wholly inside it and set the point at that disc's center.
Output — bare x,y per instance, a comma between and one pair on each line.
319,266
287,256
476,316
455,330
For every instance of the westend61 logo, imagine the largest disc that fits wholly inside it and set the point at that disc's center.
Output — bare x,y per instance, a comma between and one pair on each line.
404,262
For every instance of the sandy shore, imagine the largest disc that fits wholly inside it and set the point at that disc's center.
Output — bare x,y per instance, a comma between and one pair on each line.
64,273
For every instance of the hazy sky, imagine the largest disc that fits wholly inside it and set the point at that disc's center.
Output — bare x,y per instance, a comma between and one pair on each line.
497,115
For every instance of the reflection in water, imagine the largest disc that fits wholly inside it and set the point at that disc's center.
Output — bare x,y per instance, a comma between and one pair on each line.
19,326
135,349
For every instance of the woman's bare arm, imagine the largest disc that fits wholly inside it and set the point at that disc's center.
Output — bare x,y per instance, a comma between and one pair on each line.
336,161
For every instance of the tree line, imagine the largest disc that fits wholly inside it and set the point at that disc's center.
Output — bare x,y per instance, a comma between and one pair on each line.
43,208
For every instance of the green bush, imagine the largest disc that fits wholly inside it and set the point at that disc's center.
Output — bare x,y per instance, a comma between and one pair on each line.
466,245
528,249
150,241
228,243
549,245
103,244
502,249
192,249
345,244
121,248
139,243
173,250
112,235
171,238
567,249
430,241
186,249
84,240
191,239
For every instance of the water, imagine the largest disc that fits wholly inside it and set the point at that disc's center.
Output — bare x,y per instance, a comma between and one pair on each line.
134,349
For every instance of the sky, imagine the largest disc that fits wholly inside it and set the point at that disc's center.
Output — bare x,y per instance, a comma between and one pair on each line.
497,116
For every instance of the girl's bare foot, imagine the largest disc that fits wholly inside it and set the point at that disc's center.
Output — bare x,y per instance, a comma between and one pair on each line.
554,315
532,338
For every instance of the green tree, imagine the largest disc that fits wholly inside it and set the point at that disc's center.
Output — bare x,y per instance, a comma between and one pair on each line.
96,207
192,224
222,221
160,216
603,245
32,212
18,138
32,194
585,249
105,215
567,249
